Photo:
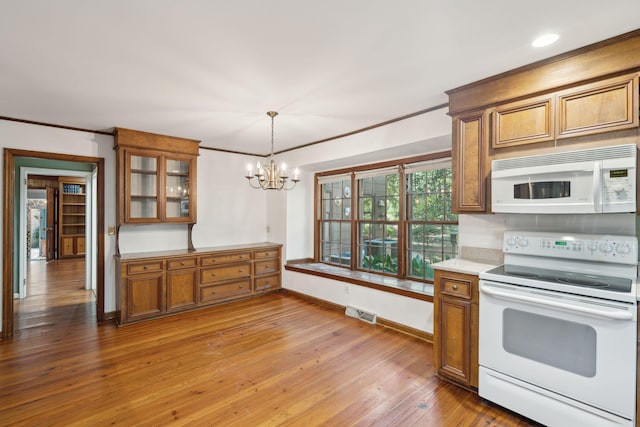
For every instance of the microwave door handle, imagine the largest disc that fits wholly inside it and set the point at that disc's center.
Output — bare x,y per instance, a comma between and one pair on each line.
597,187
618,315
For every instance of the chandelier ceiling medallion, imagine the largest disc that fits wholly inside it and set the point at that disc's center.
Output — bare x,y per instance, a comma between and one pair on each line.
272,176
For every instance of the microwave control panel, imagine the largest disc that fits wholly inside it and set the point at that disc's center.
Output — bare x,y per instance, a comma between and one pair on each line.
618,185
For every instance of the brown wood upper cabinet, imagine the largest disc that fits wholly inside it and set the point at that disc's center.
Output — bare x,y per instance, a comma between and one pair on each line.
469,152
156,178
523,122
602,106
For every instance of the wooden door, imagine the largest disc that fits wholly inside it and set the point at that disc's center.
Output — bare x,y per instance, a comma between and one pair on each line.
182,289
51,237
455,318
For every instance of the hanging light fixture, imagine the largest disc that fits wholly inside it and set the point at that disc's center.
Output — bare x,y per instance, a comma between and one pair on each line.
272,176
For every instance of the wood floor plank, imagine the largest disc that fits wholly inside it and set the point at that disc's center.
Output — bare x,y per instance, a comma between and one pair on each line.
268,361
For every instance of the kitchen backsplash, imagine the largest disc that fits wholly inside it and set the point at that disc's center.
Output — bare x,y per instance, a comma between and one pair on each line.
483,232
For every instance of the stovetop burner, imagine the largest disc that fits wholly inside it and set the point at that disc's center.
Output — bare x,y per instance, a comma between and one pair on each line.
512,273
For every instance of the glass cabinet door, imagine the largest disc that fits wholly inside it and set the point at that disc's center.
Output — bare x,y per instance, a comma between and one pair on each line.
177,188
143,187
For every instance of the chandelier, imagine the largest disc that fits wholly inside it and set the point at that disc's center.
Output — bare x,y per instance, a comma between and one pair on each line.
271,176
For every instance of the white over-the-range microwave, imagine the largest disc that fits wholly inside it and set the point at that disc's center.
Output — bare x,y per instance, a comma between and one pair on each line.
598,180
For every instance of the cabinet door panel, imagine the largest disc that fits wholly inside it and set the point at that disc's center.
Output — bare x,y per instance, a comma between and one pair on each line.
182,289
66,246
455,318
603,106
145,296
142,186
80,245
470,133
523,123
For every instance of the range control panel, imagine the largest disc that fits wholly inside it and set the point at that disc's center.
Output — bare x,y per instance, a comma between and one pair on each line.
588,247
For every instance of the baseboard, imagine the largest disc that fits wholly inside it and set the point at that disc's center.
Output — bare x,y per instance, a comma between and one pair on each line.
425,336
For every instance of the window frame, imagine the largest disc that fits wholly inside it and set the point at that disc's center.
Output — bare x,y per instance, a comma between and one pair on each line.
402,223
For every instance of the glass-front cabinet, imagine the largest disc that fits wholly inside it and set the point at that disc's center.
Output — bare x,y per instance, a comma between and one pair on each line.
156,178
177,187
143,187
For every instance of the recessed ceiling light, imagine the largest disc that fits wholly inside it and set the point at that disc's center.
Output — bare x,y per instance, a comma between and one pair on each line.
545,40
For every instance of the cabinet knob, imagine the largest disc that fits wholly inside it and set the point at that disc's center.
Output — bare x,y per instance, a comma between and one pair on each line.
181,262
240,271
213,292
145,267
213,274
240,287
266,266
455,287
266,254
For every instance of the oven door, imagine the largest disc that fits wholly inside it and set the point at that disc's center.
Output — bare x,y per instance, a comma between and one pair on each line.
581,348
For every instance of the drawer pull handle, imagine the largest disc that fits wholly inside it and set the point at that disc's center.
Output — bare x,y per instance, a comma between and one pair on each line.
240,287
266,254
213,292
455,287
181,262
266,266
213,274
145,267
240,271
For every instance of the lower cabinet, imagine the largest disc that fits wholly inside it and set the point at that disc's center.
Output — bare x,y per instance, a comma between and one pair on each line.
455,334
182,280
152,285
72,246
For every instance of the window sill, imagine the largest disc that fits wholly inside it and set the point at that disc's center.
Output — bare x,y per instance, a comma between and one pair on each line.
408,288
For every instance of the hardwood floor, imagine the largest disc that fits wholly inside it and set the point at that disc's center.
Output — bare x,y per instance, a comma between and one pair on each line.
273,360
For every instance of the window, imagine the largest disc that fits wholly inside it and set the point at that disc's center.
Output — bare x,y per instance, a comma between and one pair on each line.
335,223
432,229
395,218
378,220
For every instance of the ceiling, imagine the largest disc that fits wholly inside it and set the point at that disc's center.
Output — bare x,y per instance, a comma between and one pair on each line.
210,70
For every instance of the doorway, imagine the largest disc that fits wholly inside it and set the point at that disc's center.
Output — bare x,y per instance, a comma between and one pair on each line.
16,163
71,207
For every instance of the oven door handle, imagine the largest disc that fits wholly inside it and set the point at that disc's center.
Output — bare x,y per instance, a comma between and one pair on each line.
616,315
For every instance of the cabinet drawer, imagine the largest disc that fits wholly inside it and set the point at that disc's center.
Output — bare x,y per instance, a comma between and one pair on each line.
266,283
267,253
455,287
144,267
206,261
174,264
216,292
267,266
225,272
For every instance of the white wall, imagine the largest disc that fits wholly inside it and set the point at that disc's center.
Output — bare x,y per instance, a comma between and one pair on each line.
411,312
47,139
229,210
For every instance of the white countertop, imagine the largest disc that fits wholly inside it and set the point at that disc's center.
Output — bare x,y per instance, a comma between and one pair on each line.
465,266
